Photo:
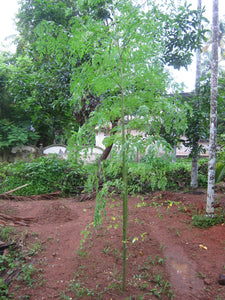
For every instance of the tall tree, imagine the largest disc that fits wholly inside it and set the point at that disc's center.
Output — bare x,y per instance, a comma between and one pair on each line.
213,111
194,170
41,82
15,121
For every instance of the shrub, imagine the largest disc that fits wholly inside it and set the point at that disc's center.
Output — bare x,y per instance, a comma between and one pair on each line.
201,221
44,175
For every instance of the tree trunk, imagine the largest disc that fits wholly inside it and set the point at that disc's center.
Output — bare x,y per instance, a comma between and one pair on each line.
194,169
194,172
213,113
106,152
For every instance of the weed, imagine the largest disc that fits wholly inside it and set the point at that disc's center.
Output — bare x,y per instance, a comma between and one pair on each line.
14,261
106,250
7,233
27,273
79,289
4,293
34,234
200,275
171,203
155,260
201,221
64,297
35,248
139,222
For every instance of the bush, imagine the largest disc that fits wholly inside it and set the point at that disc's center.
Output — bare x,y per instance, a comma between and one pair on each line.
201,221
44,175
153,173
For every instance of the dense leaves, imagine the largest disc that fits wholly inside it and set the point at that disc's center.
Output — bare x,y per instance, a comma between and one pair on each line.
43,175
15,123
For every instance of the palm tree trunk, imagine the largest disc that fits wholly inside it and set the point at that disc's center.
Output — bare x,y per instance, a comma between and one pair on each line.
213,112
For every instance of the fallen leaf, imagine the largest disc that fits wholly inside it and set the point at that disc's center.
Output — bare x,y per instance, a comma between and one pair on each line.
203,247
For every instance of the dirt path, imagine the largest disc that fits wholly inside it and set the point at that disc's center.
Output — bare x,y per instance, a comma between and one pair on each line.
182,270
154,230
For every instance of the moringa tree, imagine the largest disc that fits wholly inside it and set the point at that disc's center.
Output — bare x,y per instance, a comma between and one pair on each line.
122,61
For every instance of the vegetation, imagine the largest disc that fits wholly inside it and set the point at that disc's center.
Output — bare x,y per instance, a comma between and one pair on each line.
16,261
43,175
86,65
51,174
201,221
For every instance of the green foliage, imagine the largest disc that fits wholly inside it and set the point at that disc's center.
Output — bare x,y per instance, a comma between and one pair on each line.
203,173
44,175
40,81
220,164
152,173
201,221
198,119
220,172
14,134
4,292
15,260
183,37
15,122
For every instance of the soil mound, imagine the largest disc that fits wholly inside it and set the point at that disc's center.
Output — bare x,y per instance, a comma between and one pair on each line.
56,212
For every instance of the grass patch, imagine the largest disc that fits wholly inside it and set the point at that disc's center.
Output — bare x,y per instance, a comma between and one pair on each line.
201,221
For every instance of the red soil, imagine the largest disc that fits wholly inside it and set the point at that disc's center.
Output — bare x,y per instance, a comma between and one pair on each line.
164,248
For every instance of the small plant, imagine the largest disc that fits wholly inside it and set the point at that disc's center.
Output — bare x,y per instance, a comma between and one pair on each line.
27,273
200,275
201,221
4,293
155,260
35,248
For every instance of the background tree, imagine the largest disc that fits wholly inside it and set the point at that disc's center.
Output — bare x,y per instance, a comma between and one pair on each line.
15,122
44,57
45,31
41,83
213,112
194,170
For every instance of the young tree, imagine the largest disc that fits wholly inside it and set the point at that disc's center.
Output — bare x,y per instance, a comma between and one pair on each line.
122,61
213,112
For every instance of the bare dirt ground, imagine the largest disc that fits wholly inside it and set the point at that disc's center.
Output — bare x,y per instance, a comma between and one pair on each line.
168,258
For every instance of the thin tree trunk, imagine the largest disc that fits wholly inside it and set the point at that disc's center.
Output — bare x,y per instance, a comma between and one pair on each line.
194,172
213,113
194,169
124,177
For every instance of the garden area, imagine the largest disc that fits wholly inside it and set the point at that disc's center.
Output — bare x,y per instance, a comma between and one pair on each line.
132,220
56,251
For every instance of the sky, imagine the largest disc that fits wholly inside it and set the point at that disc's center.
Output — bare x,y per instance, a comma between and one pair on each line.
8,9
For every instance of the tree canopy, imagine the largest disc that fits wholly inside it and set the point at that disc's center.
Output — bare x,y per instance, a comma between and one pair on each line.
47,69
